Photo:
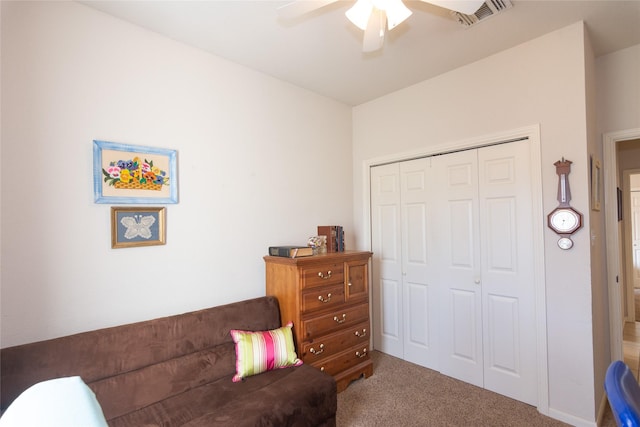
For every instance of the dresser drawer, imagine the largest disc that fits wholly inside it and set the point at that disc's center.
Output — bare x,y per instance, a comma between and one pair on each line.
324,297
338,319
323,274
343,361
329,345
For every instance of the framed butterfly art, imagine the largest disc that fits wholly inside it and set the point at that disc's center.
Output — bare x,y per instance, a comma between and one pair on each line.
137,226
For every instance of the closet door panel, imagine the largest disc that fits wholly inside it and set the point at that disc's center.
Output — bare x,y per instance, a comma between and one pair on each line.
507,271
461,229
503,338
417,292
458,275
463,329
501,244
417,329
420,305
391,304
386,287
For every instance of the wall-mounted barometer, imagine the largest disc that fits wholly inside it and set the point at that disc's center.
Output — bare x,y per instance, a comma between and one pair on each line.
564,219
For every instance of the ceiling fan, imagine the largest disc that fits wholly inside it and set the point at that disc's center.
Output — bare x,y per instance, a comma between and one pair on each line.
375,16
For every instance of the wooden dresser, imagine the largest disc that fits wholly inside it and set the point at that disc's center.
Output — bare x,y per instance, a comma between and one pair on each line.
327,299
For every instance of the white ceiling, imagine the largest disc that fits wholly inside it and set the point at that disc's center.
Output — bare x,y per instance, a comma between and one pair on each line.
322,51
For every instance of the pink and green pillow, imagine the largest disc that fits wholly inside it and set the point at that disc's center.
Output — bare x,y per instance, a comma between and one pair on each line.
262,351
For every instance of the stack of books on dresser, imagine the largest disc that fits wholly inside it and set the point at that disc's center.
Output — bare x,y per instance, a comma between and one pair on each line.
335,237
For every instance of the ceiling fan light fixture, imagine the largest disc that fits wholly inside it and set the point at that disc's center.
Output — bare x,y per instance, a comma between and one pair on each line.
375,17
396,12
359,13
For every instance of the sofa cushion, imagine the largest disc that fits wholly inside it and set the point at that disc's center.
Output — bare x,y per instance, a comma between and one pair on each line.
163,380
300,396
262,351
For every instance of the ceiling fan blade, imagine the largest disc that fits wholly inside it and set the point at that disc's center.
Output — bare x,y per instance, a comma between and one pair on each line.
468,7
301,7
374,34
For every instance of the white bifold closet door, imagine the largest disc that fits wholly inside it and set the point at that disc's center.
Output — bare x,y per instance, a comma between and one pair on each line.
453,266
404,295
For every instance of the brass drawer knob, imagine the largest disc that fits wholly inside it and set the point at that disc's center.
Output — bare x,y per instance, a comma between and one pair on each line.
324,276
363,354
361,334
317,352
325,300
340,320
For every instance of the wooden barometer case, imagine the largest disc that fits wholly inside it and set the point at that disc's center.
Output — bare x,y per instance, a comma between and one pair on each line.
564,219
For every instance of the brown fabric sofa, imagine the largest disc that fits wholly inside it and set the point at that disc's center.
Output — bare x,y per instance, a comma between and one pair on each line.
176,371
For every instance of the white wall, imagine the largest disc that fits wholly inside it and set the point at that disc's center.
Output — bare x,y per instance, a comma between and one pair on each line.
619,90
539,82
599,288
254,156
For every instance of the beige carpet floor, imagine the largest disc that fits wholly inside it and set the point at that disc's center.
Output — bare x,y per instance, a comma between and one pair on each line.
400,393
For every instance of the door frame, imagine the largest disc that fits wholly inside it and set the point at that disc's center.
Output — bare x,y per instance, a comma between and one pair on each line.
614,262
532,133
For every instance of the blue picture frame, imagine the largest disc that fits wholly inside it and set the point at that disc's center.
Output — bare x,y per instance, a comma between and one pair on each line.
131,174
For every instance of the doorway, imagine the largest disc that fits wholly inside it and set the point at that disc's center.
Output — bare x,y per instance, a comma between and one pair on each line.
631,234
621,153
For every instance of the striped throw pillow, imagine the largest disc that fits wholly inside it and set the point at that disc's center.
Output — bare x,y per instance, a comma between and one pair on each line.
262,351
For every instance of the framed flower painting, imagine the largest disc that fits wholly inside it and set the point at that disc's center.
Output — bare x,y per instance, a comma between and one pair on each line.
133,174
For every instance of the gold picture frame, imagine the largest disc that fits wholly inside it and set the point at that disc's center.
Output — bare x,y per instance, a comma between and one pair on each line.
137,226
